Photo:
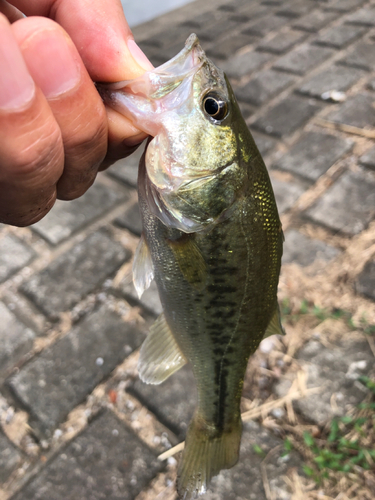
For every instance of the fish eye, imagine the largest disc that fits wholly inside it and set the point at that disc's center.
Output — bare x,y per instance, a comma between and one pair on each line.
215,106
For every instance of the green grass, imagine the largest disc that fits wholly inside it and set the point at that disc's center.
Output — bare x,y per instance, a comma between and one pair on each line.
291,315
342,448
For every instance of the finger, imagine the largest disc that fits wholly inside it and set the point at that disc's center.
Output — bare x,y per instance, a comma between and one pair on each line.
56,67
123,138
31,151
100,31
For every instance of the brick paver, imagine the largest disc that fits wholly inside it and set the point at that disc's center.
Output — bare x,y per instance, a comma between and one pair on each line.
303,72
74,274
313,155
14,255
106,462
60,378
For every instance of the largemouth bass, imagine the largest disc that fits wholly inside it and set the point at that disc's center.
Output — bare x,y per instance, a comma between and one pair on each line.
212,240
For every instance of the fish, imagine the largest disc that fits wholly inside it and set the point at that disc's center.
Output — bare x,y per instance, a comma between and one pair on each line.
212,240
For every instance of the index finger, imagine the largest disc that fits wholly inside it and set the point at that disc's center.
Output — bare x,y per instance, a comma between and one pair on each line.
100,32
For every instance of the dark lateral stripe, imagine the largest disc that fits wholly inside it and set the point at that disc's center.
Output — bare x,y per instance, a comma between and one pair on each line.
221,391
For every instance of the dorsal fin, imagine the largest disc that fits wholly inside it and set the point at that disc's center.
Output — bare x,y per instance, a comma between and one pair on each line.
143,269
160,355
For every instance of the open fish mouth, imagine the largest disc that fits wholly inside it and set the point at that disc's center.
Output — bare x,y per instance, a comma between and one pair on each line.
152,93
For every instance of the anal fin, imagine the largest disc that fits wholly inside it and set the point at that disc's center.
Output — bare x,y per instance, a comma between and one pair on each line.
275,327
160,354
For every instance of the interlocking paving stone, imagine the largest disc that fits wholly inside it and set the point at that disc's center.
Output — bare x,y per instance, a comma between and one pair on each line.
282,42
366,280
221,27
107,461
175,34
357,111
286,117
265,25
371,85
304,251
15,339
126,170
354,190
303,58
14,255
264,143
313,155
150,298
9,457
363,57
336,78
339,37
295,9
368,159
314,21
66,218
336,371
74,274
244,480
264,86
344,5
286,193
230,45
244,64
63,375
365,17
131,219
248,12
173,402
206,19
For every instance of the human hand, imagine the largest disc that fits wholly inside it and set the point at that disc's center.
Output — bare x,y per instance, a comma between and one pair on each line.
55,131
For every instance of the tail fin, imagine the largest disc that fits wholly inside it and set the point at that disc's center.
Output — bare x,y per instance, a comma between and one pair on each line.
204,457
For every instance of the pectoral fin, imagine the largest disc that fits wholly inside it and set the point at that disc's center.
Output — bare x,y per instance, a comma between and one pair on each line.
190,260
143,269
160,355
275,327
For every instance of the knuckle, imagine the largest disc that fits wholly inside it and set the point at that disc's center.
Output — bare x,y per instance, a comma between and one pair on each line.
41,150
72,193
88,143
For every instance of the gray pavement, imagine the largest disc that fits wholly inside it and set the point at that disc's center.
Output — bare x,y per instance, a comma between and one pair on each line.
75,422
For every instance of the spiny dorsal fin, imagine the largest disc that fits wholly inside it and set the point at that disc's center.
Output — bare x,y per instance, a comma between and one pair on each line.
275,327
190,260
160,355
143,269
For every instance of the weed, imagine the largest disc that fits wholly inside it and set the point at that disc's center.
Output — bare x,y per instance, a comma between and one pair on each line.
346,445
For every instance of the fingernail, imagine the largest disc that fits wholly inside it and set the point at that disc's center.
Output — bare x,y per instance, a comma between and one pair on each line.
17,88
56,69
139,56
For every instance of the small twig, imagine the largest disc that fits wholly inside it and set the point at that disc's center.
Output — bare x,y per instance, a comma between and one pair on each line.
350,129
263,470
371,342
172,451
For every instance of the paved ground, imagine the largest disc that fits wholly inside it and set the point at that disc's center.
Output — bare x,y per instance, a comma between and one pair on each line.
75,421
